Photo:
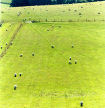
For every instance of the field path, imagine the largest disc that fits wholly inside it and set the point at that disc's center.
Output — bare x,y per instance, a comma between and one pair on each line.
11,40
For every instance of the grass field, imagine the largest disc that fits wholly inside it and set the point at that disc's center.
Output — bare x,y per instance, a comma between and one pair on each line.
5,3
66,13
48,80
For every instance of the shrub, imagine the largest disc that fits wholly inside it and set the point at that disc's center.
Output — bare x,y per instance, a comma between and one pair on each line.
11,43
80,13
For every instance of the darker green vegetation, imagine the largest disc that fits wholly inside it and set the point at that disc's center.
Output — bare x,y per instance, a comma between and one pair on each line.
16,3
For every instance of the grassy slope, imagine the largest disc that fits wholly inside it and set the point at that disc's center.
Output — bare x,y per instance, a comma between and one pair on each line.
6,34
3,3
6,1
57,12
48,81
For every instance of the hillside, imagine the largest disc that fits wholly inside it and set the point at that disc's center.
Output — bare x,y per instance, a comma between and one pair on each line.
40,52
6,1
57,13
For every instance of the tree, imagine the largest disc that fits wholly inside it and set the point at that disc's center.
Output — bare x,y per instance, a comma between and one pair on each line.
60,1
16,3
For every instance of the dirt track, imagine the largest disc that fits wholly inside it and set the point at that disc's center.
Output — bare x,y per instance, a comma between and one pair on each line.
13,37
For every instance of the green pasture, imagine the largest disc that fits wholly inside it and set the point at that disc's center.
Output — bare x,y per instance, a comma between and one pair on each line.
48,80
85,12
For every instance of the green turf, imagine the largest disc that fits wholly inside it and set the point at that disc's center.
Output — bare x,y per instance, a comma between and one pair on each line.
48,80
6,1
90,12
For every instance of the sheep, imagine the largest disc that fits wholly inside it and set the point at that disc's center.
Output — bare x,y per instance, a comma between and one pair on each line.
72,46
0,25
33,54
70,58
1,47
15,75
52,46
70,62
75,61
6,43
21,55
15,87
20,74
81,103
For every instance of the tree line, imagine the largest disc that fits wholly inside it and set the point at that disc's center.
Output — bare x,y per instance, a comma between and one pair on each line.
16,3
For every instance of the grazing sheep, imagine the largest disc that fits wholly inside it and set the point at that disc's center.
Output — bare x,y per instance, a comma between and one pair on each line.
6,43
72,46
1,47
70,62
21,55
81,103
75,61
15,75
15,87
33,54
52,46
20,74
70,58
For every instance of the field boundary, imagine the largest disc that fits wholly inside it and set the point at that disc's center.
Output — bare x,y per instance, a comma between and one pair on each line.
10,42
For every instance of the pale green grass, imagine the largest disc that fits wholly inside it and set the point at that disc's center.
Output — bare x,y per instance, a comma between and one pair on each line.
6,1
48,81
6,32
4,5
56,12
